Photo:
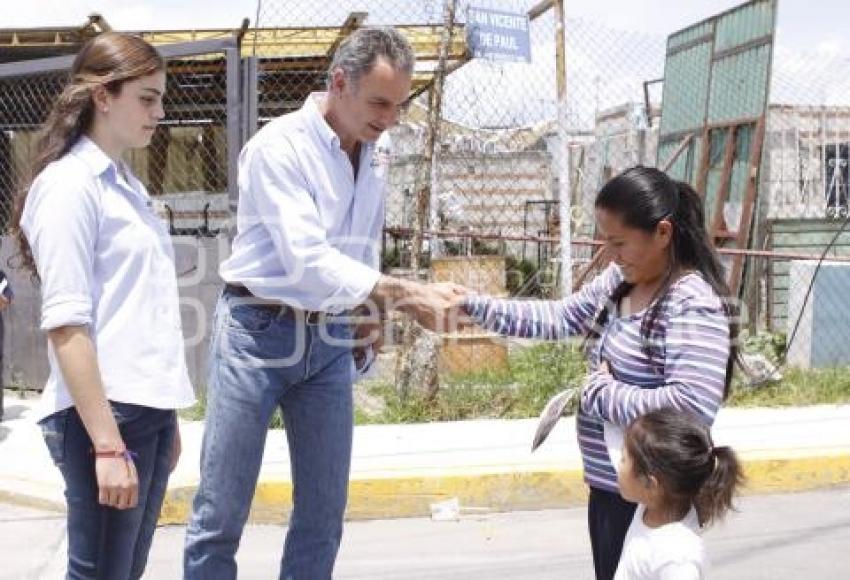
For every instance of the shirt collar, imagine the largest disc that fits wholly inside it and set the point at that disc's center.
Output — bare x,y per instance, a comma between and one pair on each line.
92,155
324,131
102,165
317,121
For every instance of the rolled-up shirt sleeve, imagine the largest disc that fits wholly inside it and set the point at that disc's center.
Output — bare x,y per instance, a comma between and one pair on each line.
60,223
284,205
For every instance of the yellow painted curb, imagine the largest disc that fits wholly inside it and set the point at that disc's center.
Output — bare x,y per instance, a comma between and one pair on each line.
28,501
797,474
411,496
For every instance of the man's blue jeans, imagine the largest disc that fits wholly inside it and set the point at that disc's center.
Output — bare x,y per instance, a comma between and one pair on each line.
103,542
261,359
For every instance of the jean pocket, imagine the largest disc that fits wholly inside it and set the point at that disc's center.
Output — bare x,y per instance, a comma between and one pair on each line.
250,318
53,430
126,412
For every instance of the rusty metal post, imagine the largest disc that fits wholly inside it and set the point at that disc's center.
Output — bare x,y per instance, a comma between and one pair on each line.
565,190
564,169
417,361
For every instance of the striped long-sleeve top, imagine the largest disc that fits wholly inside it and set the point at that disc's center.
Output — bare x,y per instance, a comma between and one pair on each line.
689,342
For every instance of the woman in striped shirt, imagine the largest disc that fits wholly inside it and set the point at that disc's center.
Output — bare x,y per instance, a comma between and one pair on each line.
660,328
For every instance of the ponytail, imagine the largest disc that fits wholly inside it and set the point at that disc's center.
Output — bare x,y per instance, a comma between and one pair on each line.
694,248
675,447
715,496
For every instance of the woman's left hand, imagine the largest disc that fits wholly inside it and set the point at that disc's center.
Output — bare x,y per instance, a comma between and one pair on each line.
176,447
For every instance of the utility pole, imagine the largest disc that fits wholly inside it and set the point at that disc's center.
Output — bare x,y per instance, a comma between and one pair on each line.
417,362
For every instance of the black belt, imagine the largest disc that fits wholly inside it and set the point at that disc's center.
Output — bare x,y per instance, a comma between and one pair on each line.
312,317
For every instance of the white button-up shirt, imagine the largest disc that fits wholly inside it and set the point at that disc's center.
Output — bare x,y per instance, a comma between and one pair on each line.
308,232
106,262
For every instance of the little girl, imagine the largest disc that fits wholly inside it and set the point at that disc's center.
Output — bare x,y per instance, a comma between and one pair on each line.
682,483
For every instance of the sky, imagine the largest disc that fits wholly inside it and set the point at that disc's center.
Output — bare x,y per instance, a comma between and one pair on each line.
803,24
612,47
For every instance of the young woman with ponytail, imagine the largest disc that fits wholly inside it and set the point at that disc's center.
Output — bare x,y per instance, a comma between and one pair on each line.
87,232
682,483
659,326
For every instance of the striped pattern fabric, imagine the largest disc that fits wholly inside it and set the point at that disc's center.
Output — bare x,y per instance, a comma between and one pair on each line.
689,344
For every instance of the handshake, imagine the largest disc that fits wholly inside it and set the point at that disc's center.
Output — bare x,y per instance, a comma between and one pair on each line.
435,306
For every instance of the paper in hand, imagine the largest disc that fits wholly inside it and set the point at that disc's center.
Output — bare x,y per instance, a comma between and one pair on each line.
614,442
551,413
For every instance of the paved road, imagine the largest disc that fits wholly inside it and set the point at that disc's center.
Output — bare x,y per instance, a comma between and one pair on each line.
778,537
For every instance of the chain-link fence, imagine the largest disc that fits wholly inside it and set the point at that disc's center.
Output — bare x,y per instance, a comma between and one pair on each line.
494,171
486,193
24,103
186,165
803,189
189,168
761,130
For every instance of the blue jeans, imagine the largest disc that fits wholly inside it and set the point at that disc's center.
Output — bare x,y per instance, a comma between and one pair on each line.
103,542
262,359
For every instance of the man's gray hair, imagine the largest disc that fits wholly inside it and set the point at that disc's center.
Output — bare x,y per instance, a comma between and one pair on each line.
357,54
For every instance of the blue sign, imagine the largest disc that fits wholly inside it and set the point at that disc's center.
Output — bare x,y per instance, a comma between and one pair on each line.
498,35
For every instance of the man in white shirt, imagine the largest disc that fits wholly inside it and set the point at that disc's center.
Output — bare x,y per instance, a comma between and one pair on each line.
309,222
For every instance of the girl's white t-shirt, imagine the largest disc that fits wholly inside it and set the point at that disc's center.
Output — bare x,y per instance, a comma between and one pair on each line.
670,552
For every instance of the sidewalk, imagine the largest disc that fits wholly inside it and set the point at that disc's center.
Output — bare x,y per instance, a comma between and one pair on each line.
400,470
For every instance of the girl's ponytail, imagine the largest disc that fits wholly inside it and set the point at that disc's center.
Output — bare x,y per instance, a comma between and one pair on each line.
715,496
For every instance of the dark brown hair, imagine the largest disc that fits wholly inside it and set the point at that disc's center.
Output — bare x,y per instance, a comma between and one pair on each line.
676,448
642,197
109,60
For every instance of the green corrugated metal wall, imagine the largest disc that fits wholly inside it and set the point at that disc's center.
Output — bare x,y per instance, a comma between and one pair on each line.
801,236
716,71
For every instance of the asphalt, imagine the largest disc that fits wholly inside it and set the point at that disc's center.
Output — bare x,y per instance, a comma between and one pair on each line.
454,468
